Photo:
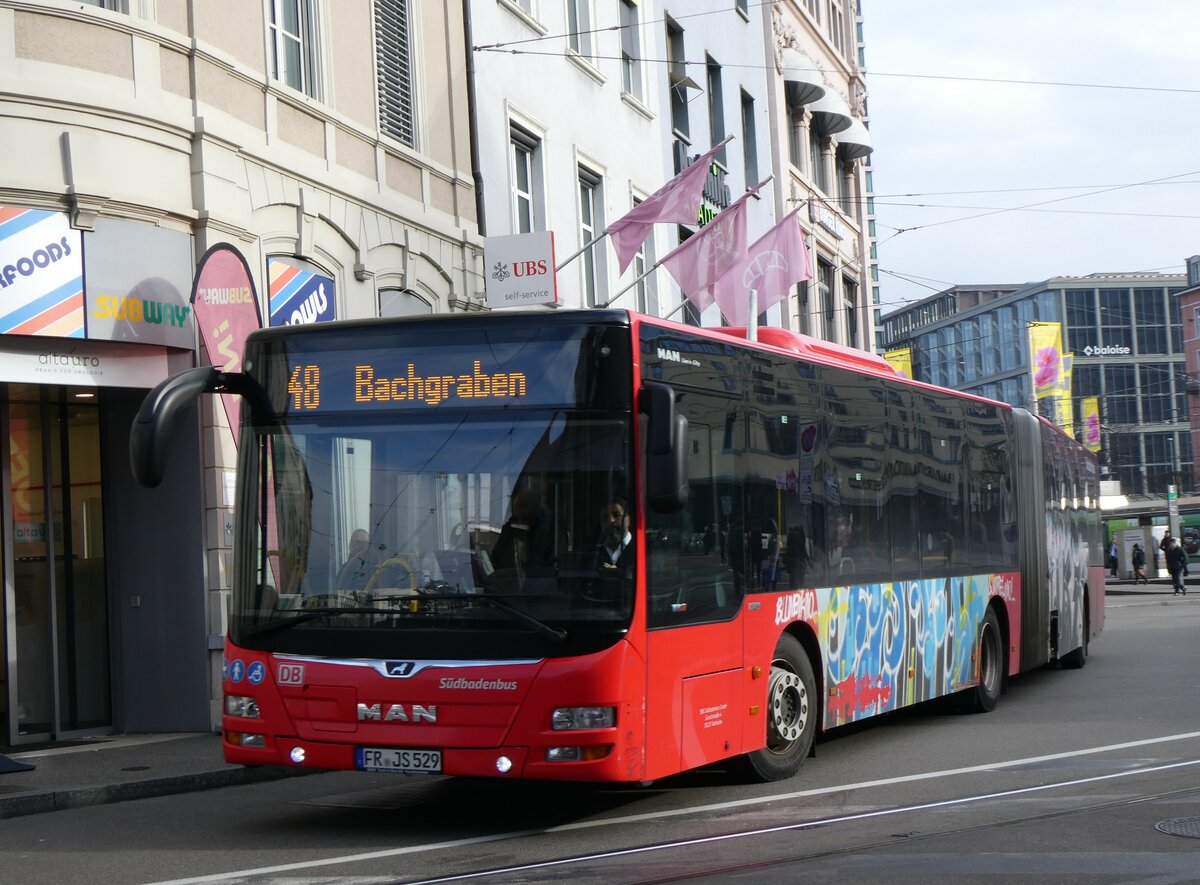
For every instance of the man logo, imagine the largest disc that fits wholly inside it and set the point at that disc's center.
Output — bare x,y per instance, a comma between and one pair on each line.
396,713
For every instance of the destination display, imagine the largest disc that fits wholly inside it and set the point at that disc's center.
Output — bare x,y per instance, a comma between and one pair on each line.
526,373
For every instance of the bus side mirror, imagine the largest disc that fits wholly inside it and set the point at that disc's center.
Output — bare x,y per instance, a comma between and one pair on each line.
151,430
666,450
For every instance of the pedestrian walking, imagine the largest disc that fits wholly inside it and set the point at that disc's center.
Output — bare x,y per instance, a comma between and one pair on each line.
1176,563
1138,558
1112,559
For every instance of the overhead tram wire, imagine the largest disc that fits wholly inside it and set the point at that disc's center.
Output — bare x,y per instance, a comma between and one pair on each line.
866,72
617,27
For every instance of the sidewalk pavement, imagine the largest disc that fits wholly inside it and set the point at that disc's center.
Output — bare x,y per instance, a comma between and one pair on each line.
113,768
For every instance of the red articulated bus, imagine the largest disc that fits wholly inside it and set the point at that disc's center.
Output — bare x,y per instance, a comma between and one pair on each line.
593,545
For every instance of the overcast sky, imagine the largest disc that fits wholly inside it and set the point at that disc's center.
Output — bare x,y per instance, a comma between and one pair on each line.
1002,145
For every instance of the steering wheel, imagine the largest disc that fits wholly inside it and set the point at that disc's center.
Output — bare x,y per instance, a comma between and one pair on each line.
402,562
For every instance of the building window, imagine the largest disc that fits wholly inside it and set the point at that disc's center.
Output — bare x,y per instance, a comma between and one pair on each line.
679,81
816,160
1155,392
526,180
825,294
837,25
1176,323
743,8
814,9
749,141
591,222
1115,319
393,62
1151,320
294,50
579,23
795,132
402,303
114,5
1081,320
716,107
631,61
644,293
1120,387
850,301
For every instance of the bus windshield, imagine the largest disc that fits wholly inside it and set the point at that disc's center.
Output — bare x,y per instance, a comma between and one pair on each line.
370,532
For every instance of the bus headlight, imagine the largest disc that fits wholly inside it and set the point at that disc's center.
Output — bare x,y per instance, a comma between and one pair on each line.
577,718
243,707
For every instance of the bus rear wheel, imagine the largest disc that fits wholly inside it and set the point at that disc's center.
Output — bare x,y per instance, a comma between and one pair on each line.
984,696
791,714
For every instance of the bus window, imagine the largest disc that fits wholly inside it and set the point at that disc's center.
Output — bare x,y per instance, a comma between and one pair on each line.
687,580
900,493
856,520
940,483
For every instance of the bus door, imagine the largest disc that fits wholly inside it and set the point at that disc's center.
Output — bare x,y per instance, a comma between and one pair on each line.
695,568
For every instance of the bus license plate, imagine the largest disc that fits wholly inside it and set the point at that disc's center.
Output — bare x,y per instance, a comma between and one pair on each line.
398,760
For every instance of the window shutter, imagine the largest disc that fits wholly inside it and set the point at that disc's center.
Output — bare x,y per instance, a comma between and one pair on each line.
393,51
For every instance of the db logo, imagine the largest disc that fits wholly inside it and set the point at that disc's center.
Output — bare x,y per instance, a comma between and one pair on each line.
529,268
291,674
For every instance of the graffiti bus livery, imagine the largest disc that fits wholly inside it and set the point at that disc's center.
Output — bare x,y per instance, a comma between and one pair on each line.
598,546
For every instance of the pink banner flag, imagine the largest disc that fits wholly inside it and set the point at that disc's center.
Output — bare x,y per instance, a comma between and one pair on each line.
702,259
676,201
775,263
225,305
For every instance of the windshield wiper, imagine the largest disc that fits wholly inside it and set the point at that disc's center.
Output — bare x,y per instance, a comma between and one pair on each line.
301,617
555,633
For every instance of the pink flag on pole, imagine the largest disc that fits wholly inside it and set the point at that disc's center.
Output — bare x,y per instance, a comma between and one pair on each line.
776,262
225,305
702,259
676,201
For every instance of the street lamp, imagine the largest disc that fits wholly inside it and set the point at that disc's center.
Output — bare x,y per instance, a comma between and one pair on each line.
1173,490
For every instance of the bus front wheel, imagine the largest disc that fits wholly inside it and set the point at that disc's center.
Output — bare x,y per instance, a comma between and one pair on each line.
791,713
984,696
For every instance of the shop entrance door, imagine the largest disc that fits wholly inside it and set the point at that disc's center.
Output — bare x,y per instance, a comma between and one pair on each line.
56,668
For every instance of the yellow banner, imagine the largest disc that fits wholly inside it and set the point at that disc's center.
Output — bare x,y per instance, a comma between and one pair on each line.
1045,357
1065,413
900,360
1090,413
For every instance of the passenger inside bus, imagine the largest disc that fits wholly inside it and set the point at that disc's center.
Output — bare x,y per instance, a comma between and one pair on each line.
360,564
523,557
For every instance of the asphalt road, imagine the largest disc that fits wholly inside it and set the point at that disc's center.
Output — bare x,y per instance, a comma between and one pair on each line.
1077,777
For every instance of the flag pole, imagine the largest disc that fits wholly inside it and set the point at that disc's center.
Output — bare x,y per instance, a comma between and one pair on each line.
677,248
678,307
752,318
593,241
631,285
604,233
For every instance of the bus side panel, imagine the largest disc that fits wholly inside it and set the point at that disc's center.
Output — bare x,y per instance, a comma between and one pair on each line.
1073,538
1006,589
888,645
1097,598
691,670
1030,493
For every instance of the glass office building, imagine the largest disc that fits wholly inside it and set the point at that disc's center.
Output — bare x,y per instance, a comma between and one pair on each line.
1125,333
